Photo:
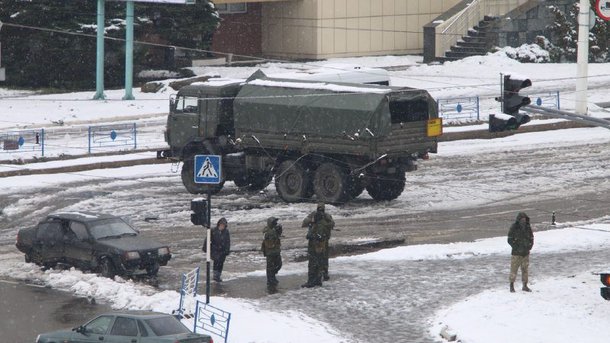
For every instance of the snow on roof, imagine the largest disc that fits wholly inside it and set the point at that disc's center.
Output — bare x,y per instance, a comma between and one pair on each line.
217,82
320,85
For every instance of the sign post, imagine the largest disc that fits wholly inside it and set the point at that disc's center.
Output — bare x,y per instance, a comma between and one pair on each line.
207,170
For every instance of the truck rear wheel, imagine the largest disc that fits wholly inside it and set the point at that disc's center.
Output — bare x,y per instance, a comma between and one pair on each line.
331,184
387,186
293,181
188,179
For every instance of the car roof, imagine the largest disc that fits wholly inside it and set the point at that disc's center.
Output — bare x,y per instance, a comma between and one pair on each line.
82,216
138,314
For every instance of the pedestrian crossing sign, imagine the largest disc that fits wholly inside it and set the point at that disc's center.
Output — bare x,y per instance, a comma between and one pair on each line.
207,169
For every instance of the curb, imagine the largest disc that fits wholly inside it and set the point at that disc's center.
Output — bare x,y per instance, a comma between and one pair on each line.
446,137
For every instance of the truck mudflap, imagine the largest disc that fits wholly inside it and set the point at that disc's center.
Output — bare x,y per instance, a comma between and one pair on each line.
434,128
163,154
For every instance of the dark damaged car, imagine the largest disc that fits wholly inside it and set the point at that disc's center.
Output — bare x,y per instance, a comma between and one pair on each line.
92,242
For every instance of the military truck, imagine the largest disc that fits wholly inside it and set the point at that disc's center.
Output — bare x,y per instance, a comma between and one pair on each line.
331,140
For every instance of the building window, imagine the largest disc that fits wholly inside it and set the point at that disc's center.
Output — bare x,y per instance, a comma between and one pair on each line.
232,8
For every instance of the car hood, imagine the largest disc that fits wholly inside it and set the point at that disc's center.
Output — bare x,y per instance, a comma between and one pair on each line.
130,243
64,334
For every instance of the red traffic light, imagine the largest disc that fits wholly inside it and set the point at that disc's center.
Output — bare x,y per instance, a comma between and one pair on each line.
605,279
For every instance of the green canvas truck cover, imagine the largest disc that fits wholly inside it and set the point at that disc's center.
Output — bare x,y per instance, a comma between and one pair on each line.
301,107
316,108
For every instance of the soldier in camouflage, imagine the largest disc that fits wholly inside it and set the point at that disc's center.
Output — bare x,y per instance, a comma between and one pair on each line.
319,226
271,248
521,240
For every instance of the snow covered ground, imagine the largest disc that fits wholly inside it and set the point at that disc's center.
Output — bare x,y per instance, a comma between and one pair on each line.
564,307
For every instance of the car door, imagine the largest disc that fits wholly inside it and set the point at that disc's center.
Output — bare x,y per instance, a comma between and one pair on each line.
94,331
78,245
124,330
50,241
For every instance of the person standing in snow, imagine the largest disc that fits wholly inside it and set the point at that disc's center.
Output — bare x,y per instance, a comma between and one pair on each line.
220,246
521,240
271,248
319,226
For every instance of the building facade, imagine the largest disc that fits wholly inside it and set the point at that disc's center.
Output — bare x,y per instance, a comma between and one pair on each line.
320,29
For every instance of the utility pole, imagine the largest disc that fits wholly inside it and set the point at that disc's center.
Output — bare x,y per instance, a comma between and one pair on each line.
583,58
99,62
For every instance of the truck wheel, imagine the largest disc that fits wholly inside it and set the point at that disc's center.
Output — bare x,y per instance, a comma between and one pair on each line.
387,186
292,181
188,179
331,184
107,268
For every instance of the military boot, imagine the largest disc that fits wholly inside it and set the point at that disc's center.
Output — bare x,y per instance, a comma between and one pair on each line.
512,287
525,288
217,277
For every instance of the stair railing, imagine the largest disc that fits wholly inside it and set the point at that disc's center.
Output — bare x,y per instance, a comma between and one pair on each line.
449,31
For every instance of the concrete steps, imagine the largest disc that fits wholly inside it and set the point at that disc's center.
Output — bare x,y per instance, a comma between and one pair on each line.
473,44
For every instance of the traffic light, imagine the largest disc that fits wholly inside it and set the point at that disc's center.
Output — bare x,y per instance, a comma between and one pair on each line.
511,100
511,103
605,291
200,209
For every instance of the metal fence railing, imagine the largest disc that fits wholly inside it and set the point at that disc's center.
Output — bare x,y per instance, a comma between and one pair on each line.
548,100
118,135
212,319
23,141
459,108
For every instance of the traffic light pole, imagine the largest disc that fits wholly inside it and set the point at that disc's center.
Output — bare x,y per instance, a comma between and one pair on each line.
582,60
208,249
567,115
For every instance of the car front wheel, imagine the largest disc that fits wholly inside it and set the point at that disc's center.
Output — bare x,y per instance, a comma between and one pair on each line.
152,269
107,268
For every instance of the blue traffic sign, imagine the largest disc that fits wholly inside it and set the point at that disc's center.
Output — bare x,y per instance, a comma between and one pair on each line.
208,169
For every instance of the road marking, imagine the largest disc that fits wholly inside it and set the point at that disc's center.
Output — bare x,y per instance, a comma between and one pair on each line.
495,213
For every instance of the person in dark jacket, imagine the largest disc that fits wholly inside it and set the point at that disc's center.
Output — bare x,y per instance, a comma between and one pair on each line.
271,248
319,226
521,240
220,246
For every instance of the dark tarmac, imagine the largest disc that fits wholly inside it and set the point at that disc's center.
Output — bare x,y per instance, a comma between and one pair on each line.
38,310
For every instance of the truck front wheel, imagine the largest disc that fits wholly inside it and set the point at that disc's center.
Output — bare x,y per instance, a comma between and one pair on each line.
188,179
387,186
292,181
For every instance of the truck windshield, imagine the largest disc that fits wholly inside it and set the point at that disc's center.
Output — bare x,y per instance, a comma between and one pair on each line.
110,228
186,104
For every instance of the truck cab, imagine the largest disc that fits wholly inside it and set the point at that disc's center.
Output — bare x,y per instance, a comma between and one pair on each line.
199,112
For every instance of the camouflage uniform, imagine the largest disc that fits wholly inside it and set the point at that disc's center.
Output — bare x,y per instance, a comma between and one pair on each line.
271,248
320,225
521,240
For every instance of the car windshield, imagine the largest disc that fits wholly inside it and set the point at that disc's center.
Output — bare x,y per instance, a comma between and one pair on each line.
114,227
164,326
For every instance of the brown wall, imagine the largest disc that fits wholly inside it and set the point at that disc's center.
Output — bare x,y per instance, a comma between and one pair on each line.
239,33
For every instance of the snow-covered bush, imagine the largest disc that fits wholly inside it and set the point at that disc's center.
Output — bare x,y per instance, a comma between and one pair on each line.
526,53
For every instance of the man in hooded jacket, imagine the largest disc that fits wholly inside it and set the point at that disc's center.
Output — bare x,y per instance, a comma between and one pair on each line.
521,240
220,246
